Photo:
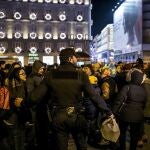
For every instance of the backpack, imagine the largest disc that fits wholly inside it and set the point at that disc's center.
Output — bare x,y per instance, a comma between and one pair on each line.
4,98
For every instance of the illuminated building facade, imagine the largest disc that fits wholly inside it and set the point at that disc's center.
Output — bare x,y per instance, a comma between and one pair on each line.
132,30
39,29
103,44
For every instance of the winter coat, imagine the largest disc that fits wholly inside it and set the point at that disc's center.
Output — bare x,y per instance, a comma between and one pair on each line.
134,96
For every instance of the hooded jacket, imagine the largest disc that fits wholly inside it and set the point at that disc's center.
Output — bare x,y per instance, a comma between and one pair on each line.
134,96
34,79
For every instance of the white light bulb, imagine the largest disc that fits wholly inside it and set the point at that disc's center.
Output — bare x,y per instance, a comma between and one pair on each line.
79,36
62,1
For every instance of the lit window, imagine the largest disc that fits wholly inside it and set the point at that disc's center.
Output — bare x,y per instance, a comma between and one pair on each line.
62,17
2,34
33,50
79,18
2,50
48,50
62,1
17,35
48,16
33,35
33,16
48,1
17,15
48,35
71,2
79,1
32,0
18,49
62,35
79,36
2,15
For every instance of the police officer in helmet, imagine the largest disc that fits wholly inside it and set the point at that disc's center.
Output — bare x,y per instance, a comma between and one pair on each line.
65,86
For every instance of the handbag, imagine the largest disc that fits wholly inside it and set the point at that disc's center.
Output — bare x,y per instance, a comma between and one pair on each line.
110,130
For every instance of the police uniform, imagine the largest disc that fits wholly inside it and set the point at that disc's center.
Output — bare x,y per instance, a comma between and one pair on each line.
65,86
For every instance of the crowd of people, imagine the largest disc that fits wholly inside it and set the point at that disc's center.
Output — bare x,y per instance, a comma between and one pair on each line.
45,104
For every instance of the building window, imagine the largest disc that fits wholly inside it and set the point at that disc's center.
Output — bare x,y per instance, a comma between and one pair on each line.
79,1
48,1
62,1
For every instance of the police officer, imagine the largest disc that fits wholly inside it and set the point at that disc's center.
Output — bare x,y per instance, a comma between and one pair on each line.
65,86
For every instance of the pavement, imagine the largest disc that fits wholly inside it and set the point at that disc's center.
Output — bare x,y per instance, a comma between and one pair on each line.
145,147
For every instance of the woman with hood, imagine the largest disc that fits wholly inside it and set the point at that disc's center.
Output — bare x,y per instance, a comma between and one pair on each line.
130,104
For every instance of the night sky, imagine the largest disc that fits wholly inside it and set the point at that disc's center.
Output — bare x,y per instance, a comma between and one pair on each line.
102,14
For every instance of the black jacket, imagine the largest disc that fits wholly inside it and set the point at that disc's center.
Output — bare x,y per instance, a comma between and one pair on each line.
65,86
133,109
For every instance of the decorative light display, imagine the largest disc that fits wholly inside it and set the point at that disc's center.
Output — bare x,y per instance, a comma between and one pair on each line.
18,50
78,49
2,34
79,36
2,49
48,1
17,15
48,16
62,35
33,35
79,18
62,1
48,50
2,15
48,35
62,17
79,1
17,35
33,50
33,16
